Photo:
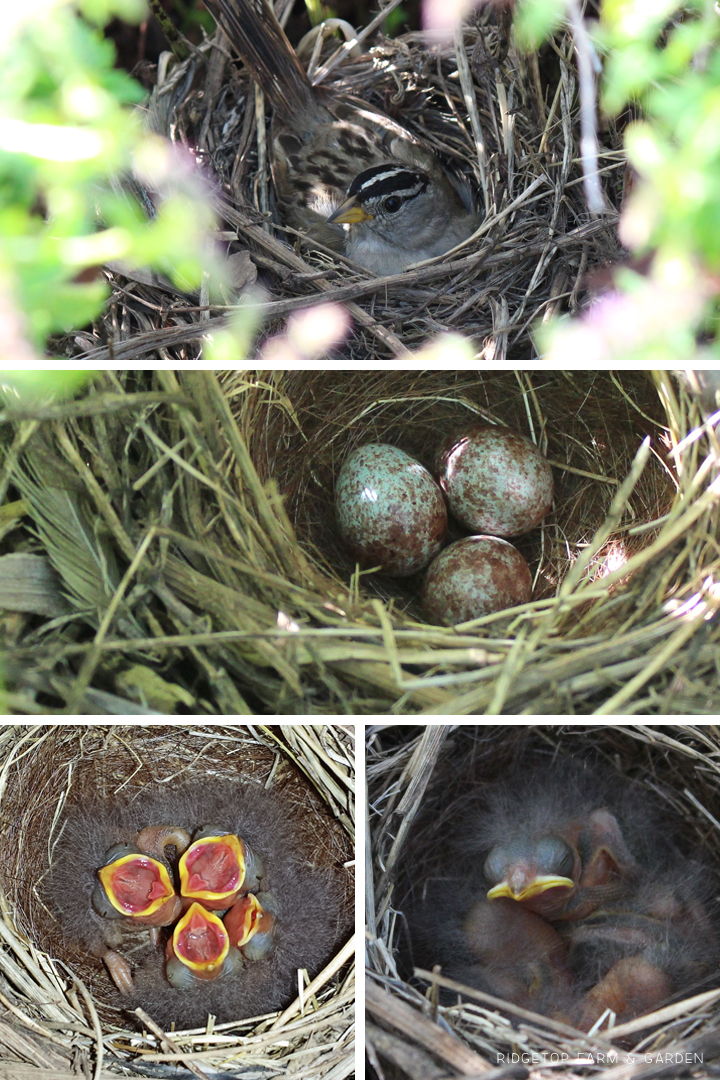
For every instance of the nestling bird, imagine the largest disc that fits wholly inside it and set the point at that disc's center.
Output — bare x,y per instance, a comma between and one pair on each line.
199,950
252,923
154,840
344,173
516,952
216,868
305,932
567,895
135,887
564,873
138,891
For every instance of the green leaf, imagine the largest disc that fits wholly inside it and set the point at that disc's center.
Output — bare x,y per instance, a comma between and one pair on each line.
536,20
67,126
32,387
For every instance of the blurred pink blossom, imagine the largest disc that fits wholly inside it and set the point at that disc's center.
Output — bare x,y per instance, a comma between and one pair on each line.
658,311
310,335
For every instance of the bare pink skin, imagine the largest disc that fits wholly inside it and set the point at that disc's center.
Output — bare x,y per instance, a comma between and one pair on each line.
389,510
119,970
633,986
496,481
523,955
155,838
474,577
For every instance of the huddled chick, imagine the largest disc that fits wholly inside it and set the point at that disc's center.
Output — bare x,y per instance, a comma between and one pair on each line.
566,895
200,899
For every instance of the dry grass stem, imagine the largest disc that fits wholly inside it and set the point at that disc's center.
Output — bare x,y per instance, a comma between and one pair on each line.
195,541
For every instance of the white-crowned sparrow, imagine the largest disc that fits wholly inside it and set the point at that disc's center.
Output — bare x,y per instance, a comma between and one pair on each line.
344,173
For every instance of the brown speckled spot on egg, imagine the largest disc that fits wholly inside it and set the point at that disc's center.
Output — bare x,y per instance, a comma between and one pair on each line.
389,510
474,577
496,481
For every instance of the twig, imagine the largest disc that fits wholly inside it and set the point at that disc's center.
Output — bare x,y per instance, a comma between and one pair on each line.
345,50
170,1045
588,65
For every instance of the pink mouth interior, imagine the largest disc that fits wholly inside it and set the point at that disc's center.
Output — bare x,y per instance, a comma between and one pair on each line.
213,868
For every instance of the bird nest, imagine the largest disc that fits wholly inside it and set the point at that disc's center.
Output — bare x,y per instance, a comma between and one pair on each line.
184,524
504,122
421,782
63,1015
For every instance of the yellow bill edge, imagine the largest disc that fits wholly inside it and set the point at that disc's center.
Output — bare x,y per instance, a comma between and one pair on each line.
349,213
538,885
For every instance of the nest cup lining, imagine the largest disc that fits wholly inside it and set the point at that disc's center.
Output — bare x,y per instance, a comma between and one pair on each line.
409,828
115,762
304,431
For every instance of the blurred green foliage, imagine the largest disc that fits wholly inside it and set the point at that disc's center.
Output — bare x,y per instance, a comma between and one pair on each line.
27,388
536,20
396,21
662,58
669,62
67,126
188,16
316,11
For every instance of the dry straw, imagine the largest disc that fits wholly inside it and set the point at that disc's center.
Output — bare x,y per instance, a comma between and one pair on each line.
188,515
419,781
57,1020
189,519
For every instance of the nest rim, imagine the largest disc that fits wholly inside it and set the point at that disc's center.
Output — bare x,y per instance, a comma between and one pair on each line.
636,604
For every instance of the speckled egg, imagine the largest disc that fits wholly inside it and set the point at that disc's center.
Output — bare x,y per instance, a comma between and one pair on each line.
474,577
496,481
390,512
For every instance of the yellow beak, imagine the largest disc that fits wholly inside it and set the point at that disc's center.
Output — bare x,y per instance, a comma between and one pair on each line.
200,941
534,888
349,213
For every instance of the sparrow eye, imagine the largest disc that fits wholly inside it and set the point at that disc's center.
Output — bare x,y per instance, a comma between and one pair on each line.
392,204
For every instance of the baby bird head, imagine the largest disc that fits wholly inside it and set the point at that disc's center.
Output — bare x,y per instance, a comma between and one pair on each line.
134,886
199,950
540,873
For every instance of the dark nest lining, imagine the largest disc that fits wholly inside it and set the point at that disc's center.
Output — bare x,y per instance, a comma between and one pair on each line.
422,783
536,245
49,771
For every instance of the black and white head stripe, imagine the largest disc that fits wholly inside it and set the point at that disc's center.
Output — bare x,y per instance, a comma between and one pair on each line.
384,180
